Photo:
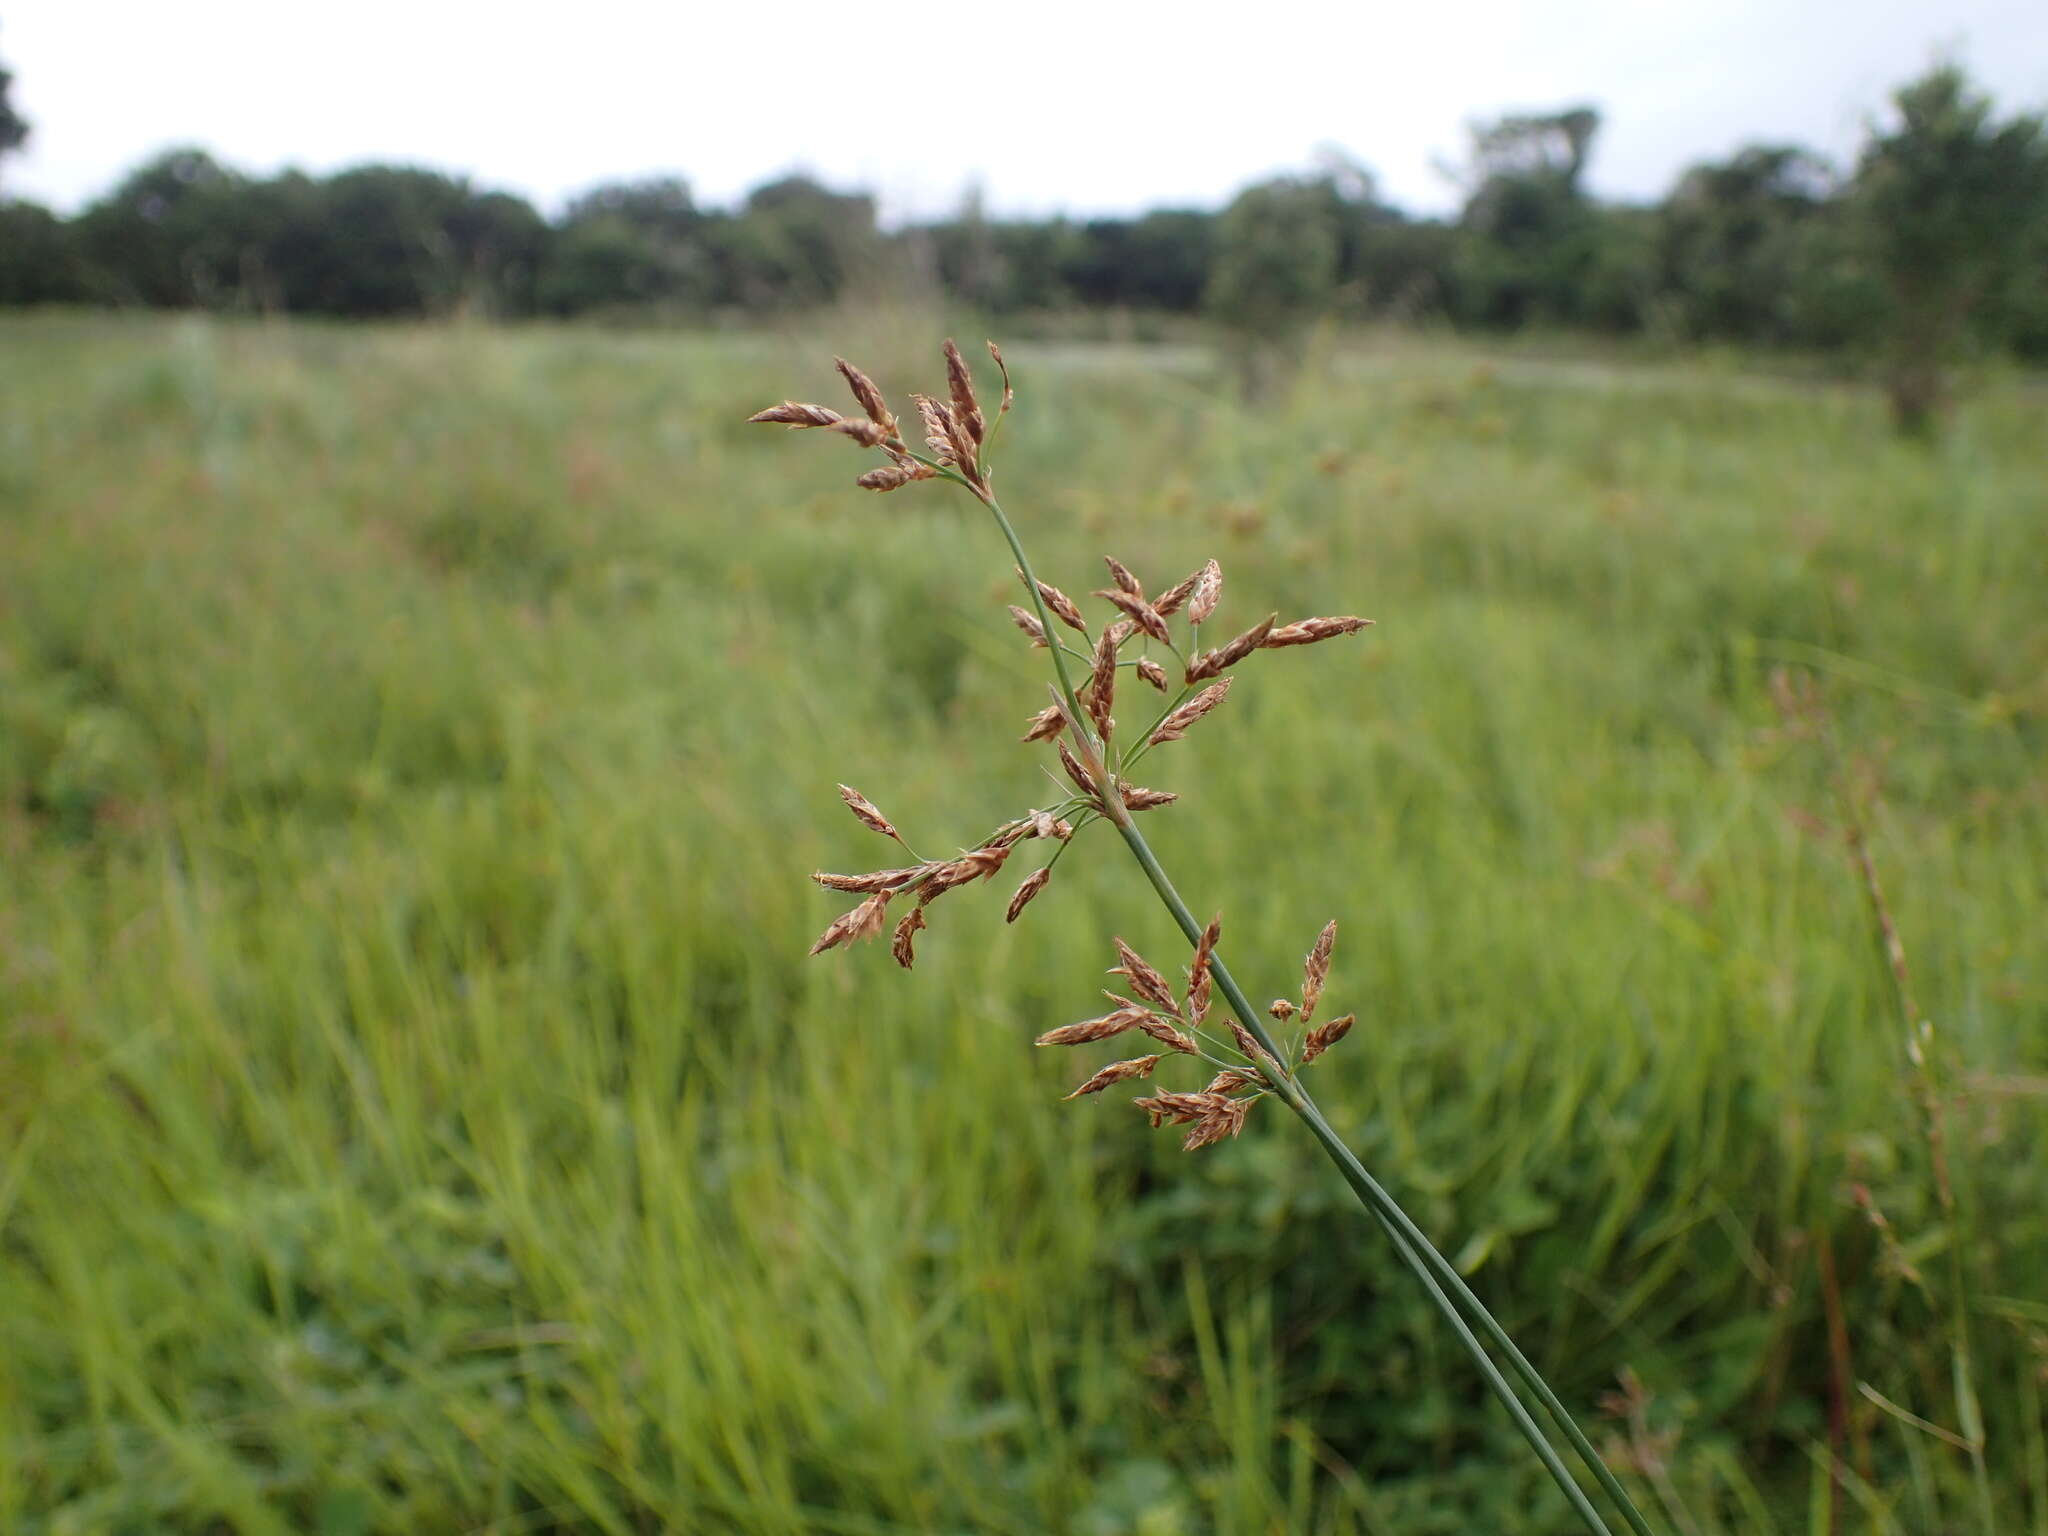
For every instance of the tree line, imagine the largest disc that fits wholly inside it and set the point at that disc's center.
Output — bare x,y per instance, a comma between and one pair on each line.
1934,243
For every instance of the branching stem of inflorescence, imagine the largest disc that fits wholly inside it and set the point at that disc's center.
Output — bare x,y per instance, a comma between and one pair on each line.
959,437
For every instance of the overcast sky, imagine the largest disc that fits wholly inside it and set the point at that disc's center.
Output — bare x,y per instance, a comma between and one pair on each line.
1086,108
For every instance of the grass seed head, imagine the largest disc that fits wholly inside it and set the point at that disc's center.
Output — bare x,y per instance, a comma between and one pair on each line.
1315,970
1118,1072
1102,685
1175,597
861,430
1309,631
880,880
864,809
796,416
1226,1119
890,477
1060,606
1281,1008
1178,1108
870,398
1137,798
1200,982
1080,775
1323,1036
1207,592
1033,884
1121,575
1145,979
1257,1054
1130,1016
1168,1036
1028,622
1152,673
863,922
1230,1079
1176,724
1046,724
903,945
1140,613
966,409
1212,662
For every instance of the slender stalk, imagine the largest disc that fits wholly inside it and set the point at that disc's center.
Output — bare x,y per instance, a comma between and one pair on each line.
1413,1247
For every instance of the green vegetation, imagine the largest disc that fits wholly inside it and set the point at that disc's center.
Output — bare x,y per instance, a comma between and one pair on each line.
419,1114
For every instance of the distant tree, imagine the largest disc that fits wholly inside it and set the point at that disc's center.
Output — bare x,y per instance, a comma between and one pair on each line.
1734,238
38,258
795,243
1952,206
13,126
161,237
630,245
1528,229
1275,273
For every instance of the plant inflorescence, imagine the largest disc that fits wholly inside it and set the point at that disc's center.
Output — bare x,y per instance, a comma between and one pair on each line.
1236,1043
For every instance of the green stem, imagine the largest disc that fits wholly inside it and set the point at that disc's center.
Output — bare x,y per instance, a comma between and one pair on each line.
1430,1267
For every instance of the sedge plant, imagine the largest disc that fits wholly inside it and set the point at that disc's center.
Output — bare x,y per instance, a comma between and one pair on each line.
1238,1047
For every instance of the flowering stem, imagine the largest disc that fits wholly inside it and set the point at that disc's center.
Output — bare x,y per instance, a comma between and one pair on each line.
1431,1268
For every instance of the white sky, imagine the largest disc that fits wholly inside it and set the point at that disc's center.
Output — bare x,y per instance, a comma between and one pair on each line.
1086,108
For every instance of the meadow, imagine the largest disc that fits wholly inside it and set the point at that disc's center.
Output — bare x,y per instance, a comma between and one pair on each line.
417,1112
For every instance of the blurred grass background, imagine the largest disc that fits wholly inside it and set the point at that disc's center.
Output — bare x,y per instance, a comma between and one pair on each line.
418,1113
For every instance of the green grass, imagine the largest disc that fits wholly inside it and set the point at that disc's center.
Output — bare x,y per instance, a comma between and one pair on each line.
417,1113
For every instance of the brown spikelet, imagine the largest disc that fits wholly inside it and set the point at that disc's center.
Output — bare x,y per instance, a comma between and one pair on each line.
1199,980
1168,1036
966,409
1315,970
1140,612
1178,1108
1137,798
1145,979
1281,1008
870,398
985,861
1230,1079
863,922
902,946
865,811
1045,824
948,439
888,477
1059,605
1323,1036
939,429
1176,724
1130,1016
1212,662
880,880
1102,685
1046,724
1028,622
1309,631
1009,394
1208,591
861,430
1118,1072
1176,597
1033,884
1226,1119
796,416
1248,1043
1152,672
1121,575
1080,775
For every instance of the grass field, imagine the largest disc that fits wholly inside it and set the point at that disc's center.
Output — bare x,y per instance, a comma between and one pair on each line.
417,1112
